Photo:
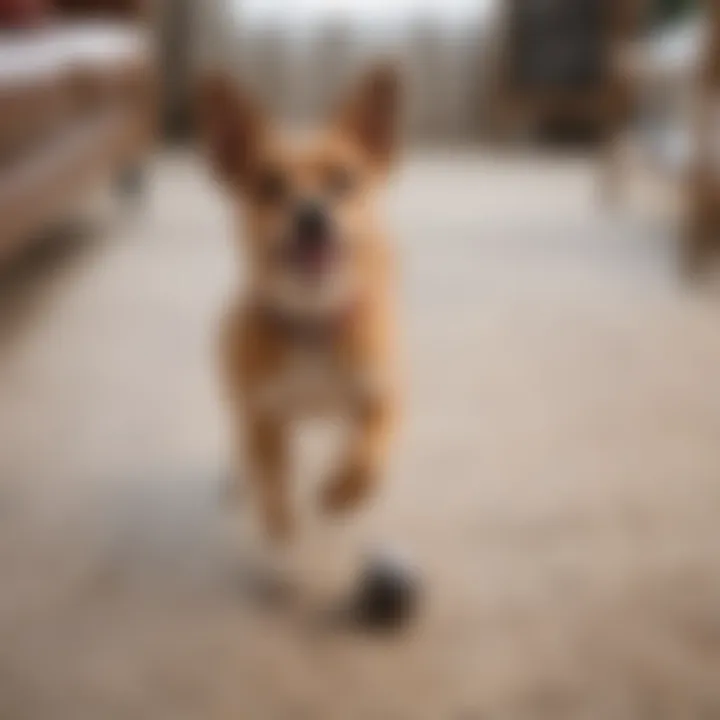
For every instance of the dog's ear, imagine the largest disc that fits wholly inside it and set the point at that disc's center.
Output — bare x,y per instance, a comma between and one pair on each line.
371,117
231,125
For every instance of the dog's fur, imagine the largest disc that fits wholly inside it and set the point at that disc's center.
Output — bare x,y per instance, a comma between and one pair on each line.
297,343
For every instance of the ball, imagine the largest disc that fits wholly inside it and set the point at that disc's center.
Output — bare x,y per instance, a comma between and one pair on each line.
388,593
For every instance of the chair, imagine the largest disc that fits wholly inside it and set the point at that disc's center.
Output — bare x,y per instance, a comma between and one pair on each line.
667,86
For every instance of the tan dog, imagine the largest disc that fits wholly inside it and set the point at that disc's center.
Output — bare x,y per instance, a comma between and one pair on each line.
312,331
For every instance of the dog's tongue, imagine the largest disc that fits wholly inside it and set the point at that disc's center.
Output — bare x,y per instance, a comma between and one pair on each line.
314,258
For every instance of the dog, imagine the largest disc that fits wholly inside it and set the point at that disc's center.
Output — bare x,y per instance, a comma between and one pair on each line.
312,332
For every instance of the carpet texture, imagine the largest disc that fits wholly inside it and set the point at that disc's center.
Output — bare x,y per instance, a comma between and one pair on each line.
557,478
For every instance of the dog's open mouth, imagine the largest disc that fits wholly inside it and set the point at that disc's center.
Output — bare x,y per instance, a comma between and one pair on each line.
312,259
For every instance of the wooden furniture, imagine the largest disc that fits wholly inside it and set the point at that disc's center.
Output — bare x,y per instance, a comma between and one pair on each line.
553,64
670,122
77,106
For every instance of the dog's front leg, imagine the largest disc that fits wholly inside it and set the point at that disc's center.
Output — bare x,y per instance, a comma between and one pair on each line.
267,450
365,458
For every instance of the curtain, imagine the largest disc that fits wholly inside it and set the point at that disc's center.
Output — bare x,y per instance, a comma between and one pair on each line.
299,55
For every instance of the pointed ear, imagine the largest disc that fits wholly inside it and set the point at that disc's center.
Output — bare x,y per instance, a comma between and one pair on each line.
231,125
371,117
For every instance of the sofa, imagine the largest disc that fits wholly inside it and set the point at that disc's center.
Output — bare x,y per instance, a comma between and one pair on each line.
78,88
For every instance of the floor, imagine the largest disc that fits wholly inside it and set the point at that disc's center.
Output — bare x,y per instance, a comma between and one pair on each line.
557,479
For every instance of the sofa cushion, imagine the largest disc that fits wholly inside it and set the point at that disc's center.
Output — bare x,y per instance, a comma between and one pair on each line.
51,51
102,61
100,44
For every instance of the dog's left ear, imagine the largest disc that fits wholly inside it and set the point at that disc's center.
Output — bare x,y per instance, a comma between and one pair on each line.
372,116
232,126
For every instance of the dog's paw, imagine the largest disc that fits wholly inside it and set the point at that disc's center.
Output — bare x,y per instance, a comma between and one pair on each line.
349,487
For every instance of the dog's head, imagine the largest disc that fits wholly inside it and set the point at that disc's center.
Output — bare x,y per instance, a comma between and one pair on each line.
307,203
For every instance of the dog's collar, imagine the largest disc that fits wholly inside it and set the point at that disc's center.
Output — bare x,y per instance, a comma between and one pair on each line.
309,329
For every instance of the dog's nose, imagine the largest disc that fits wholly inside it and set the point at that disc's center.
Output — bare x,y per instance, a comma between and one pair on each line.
311,224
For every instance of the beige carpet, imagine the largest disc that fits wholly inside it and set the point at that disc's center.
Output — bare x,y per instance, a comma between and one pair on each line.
558,477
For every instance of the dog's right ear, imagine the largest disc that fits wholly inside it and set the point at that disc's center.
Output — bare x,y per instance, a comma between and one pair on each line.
371,117
231,125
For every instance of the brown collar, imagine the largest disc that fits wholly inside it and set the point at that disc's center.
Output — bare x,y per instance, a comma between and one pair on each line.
309,330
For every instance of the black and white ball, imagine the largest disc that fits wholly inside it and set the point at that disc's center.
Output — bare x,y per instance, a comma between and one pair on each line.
388,593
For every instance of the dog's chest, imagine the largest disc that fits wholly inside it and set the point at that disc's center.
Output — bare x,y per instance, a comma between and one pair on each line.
310,381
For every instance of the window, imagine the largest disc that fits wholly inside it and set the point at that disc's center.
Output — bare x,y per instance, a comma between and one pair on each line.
368,12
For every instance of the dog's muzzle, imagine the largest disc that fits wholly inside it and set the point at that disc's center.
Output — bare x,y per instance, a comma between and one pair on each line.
312,246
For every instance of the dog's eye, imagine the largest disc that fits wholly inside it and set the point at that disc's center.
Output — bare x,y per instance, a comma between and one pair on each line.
341,181
271,186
